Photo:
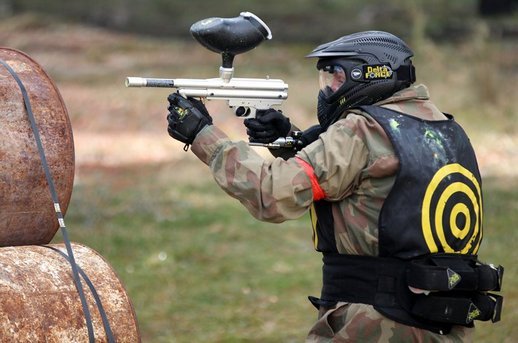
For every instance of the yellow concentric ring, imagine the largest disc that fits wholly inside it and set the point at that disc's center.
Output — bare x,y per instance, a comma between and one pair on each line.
458,209
475,200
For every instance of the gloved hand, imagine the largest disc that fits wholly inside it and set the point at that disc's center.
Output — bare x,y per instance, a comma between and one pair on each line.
186,118
267,126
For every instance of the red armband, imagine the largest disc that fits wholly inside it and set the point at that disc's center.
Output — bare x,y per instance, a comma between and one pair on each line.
318,192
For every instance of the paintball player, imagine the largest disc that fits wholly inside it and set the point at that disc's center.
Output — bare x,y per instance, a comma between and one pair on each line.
393,190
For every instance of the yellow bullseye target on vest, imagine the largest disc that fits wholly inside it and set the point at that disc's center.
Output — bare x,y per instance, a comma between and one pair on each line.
451,216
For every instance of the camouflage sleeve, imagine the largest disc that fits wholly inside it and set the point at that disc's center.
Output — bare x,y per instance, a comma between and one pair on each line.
278,190
338,157
272,191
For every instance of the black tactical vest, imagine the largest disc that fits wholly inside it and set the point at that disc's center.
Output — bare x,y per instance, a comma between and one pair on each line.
435,204
431,218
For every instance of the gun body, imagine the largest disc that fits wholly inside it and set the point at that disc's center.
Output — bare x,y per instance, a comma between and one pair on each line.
283,142
244,95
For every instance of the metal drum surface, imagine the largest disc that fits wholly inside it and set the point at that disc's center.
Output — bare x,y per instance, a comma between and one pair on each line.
39,301
26,210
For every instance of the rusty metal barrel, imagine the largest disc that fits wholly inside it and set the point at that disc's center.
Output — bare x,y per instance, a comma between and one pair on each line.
39,301
27,213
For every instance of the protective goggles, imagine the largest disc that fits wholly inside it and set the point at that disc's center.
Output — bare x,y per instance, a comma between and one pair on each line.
331,78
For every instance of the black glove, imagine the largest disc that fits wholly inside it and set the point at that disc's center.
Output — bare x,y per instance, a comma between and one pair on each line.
267,126
186,118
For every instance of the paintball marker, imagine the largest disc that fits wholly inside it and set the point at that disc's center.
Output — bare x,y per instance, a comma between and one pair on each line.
229,37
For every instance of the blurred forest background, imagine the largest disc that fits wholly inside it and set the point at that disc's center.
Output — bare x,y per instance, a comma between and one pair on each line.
196,265
312,21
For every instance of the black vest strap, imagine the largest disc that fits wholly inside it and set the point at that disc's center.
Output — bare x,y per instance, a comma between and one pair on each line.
361,279
323,230
445,272
460,310
384,283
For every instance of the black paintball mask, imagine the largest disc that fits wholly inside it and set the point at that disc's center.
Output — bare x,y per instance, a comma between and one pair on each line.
360,69
334,84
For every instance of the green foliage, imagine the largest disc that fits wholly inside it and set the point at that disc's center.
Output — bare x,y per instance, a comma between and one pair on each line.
290,20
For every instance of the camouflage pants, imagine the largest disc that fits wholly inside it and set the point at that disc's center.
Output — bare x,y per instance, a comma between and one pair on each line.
361,323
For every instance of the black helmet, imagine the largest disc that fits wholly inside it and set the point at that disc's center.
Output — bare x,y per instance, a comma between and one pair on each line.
360,69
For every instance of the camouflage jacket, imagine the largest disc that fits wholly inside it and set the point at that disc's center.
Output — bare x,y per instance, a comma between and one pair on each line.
355,166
